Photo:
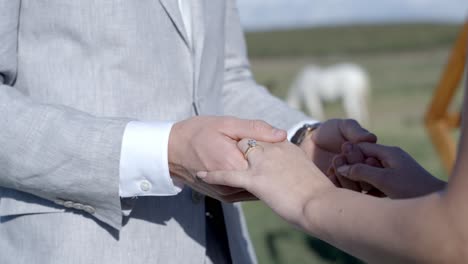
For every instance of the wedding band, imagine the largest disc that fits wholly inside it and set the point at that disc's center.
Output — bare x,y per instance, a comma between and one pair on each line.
252,143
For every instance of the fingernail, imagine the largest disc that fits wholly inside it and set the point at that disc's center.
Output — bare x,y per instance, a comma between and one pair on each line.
279,132
344,170
202,174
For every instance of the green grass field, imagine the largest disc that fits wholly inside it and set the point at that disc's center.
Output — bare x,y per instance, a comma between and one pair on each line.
404,63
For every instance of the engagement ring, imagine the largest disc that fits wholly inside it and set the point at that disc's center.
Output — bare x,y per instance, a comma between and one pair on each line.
251,143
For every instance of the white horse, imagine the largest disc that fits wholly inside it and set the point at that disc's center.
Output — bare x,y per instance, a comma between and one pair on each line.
348,82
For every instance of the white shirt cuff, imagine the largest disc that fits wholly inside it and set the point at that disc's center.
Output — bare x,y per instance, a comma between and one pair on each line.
144,165
296,127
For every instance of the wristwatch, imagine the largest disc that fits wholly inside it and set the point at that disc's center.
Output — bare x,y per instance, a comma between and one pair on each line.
303,132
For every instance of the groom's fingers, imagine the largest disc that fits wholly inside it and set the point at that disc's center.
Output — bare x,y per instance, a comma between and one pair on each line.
236,179
237,129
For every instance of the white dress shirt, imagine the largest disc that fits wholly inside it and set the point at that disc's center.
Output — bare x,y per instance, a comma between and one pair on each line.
144,165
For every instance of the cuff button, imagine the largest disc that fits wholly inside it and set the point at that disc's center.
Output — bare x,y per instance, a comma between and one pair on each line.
145,186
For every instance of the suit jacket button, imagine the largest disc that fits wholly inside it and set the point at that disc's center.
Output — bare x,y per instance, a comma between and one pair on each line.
89,209
196,197
68,204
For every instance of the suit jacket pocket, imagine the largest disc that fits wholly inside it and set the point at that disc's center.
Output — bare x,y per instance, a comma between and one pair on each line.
14,202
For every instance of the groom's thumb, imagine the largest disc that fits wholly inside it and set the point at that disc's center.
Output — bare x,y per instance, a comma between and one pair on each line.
362,173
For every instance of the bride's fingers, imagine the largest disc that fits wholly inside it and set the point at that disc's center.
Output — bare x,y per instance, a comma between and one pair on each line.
237,179
251,148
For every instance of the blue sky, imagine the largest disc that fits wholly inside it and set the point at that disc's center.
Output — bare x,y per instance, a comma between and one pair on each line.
264,14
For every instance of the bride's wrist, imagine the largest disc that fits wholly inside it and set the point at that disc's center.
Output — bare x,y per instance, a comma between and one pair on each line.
310,201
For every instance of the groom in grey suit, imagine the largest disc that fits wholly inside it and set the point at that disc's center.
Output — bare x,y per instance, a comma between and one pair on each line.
107,109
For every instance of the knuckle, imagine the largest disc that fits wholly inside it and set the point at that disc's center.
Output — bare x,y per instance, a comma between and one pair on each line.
241,143
252,125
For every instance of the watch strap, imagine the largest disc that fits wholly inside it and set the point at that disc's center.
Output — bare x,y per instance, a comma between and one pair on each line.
303,132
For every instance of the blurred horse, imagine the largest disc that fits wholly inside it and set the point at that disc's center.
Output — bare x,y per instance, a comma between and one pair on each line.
348,82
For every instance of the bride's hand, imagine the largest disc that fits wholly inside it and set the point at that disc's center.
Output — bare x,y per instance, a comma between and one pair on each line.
280,174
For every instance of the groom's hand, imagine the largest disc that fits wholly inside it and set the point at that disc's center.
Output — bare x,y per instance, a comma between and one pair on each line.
206,143
325,142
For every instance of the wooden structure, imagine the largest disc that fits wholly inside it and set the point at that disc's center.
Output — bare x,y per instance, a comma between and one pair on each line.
439,121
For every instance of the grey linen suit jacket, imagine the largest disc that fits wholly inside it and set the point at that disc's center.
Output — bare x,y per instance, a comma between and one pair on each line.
72,75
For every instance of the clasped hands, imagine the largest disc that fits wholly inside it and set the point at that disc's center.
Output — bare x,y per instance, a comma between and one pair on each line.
282,174
210,144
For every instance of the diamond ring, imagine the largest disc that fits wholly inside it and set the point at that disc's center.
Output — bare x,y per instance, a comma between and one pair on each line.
251,143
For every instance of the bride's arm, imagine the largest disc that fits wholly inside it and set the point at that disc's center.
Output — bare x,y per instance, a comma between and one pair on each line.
387,231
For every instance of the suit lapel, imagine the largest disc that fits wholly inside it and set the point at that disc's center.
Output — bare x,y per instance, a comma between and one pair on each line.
198,28
172,9
198,31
